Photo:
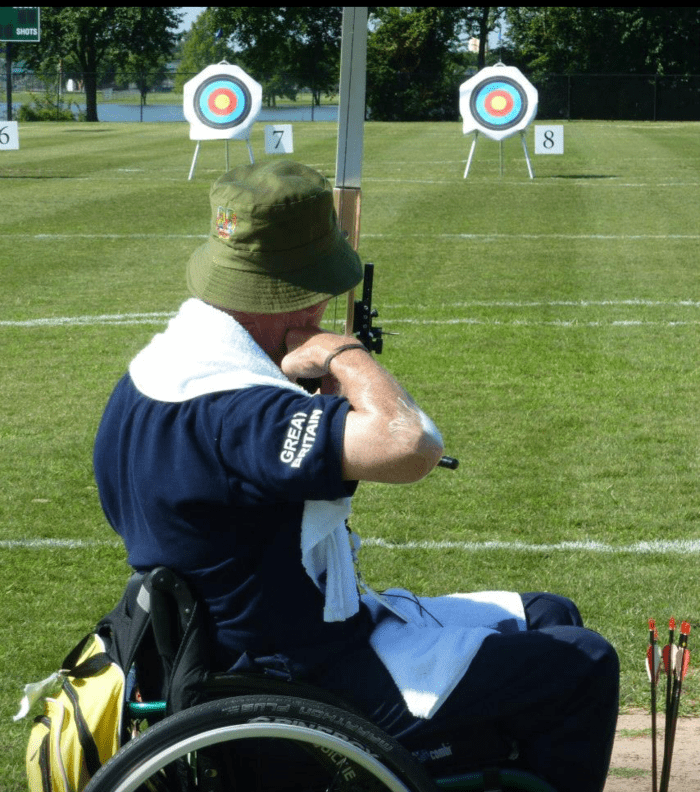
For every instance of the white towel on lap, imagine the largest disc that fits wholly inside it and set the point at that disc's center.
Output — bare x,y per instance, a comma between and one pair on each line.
429,652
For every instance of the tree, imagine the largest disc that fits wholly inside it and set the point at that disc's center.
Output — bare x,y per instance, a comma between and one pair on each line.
94,35
285,48
411,65
201,46
145,71
605,40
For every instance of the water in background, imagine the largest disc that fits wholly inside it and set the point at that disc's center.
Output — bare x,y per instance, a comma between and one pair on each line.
116,113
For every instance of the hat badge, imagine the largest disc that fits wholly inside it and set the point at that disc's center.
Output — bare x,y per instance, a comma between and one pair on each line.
226,221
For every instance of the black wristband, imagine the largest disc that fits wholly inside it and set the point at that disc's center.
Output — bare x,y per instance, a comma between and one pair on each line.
343,348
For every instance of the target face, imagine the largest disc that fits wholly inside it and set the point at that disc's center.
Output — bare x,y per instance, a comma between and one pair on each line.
498,104
221,102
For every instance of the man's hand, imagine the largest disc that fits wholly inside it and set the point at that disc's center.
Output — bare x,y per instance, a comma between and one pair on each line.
307,350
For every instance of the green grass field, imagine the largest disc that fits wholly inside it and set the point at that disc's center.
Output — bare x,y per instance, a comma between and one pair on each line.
550,326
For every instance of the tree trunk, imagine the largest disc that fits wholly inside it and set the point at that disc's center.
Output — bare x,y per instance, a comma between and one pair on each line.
483,36
89,64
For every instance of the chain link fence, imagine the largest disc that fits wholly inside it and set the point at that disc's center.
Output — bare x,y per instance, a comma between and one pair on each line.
612,97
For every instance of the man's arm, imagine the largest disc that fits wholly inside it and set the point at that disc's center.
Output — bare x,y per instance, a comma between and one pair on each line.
388,438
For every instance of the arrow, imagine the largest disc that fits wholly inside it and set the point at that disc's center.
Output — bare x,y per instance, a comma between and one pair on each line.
653,670
679,660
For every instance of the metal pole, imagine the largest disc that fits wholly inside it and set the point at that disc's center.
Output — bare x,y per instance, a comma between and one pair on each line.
471,154
8,69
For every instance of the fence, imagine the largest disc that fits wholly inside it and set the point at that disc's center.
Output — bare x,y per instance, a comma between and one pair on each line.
629,97
577,96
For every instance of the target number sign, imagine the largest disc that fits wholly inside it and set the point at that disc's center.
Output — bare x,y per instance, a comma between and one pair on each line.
279,139
221,102
9,136
549,139
498,101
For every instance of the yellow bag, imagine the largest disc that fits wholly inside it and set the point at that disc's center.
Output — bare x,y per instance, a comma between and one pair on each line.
81,725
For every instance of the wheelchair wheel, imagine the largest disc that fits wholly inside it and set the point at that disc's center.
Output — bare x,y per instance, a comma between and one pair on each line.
262,743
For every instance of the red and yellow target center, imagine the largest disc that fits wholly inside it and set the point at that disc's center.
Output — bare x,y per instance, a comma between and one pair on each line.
499,103
222,102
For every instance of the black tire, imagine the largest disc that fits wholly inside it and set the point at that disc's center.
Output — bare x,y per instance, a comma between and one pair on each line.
302,744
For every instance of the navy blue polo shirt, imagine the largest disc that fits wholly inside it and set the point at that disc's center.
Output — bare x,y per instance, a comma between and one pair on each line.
214,488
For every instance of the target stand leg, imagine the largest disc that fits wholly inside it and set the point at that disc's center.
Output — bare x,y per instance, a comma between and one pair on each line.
527,156
471,155
250,150
194,160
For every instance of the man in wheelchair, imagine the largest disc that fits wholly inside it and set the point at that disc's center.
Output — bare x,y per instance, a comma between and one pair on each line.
212,460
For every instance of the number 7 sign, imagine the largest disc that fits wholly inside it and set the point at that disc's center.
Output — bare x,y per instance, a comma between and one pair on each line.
278,139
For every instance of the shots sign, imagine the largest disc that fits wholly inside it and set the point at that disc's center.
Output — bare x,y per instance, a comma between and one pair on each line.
20,24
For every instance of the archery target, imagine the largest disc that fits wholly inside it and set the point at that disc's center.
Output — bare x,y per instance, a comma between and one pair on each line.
221,102
498,101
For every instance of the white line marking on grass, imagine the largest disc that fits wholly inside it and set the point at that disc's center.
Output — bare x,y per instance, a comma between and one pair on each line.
110,236
455,236
159,317
557,303
155,317
552,323
56,544
569,237
662,546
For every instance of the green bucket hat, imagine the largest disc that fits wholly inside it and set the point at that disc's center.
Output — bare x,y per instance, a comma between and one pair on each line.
274,244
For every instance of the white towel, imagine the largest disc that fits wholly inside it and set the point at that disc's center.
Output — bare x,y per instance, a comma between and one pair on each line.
429,649
204,350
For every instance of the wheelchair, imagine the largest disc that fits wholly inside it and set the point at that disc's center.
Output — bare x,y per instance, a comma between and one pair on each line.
253,733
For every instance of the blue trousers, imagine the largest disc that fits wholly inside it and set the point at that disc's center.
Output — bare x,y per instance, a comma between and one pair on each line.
543,700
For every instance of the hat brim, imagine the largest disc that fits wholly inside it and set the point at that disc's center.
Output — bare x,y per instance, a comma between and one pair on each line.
243,284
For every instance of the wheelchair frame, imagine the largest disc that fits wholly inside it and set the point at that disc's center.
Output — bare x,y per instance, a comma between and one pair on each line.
257,717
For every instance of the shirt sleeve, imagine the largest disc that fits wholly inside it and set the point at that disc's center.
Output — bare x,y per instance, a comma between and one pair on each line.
280,445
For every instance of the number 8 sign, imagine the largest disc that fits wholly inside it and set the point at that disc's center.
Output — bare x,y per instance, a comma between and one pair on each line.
549,139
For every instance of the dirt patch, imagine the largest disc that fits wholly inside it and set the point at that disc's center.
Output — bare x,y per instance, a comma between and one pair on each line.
630,768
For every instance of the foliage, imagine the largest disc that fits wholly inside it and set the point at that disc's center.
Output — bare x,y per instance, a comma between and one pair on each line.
91,36
201,46
602,39
416,59
407,55
145,70
285,48
45,108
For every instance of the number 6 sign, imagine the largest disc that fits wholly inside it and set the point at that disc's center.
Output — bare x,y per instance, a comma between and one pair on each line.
9,136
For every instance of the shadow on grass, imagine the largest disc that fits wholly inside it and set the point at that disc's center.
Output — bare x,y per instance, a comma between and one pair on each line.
584,176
